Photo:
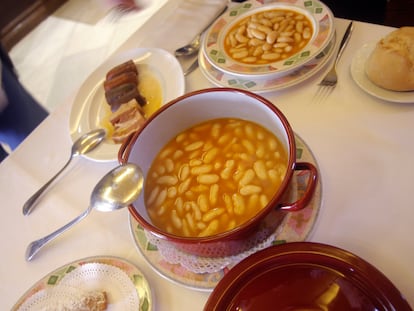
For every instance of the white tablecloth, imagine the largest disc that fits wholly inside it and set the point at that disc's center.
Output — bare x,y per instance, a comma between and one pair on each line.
364,147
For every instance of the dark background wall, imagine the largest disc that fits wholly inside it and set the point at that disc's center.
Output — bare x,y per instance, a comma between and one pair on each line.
18,17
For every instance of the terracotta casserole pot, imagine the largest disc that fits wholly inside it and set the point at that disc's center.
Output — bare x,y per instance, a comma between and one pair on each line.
191,109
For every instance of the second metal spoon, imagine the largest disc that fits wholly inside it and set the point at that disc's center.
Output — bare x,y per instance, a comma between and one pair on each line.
82,145
117,189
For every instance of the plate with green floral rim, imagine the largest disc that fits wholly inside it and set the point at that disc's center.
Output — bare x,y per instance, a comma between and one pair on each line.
268,84
137,278
295,227
319,13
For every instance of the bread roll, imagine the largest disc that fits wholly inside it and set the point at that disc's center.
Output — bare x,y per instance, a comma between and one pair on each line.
391,63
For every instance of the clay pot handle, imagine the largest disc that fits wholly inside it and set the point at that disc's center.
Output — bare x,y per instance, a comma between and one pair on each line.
310,188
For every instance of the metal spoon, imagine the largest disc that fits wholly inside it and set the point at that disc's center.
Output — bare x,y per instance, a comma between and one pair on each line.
82,145
117,189
194,45
191,68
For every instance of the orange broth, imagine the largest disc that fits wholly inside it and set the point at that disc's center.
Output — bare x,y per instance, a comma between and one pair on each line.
213,177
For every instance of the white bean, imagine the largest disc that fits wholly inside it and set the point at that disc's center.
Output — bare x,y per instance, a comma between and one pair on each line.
257,34
171,192
213,195
190,221
250,189
211,214
247,178
194,146
167,180
161,210
260,169
184,186
202,202
238,204
211,228
176,221
177,154
271,56
241,54
208,179
241,38
202,169
153,195
307,33
162,196
179,205
263,200
184,172
169,165
196,211
228,202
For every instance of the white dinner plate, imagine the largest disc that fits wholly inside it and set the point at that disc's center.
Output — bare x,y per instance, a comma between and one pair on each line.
361,79
90,108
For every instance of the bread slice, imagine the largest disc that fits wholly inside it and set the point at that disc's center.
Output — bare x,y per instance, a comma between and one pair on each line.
94,301
88,301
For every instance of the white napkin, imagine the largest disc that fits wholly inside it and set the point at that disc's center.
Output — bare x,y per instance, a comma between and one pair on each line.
194,15
182,22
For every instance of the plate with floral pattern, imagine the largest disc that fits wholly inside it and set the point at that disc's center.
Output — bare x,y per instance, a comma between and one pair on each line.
53,279
268,84
213,42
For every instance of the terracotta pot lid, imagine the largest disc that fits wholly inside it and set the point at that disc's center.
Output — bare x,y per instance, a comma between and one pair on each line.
305,276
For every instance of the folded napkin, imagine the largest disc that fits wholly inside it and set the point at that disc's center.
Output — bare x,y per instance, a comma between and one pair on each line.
194,15
182,21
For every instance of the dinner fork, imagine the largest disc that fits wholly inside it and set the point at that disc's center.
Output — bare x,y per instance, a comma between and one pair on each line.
330,80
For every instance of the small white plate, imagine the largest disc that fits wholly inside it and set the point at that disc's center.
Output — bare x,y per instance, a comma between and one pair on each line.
90,108
138,282
361,79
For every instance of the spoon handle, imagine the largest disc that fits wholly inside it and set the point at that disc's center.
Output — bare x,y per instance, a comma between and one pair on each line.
35,246
191,68
30,203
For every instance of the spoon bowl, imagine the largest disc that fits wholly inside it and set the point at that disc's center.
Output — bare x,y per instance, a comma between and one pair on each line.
88,142
82,145
190,48
117,189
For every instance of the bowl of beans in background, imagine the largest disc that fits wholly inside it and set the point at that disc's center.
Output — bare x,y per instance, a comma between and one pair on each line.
217,163
269,40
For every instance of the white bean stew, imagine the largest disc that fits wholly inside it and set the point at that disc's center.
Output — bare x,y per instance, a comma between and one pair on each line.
213,177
